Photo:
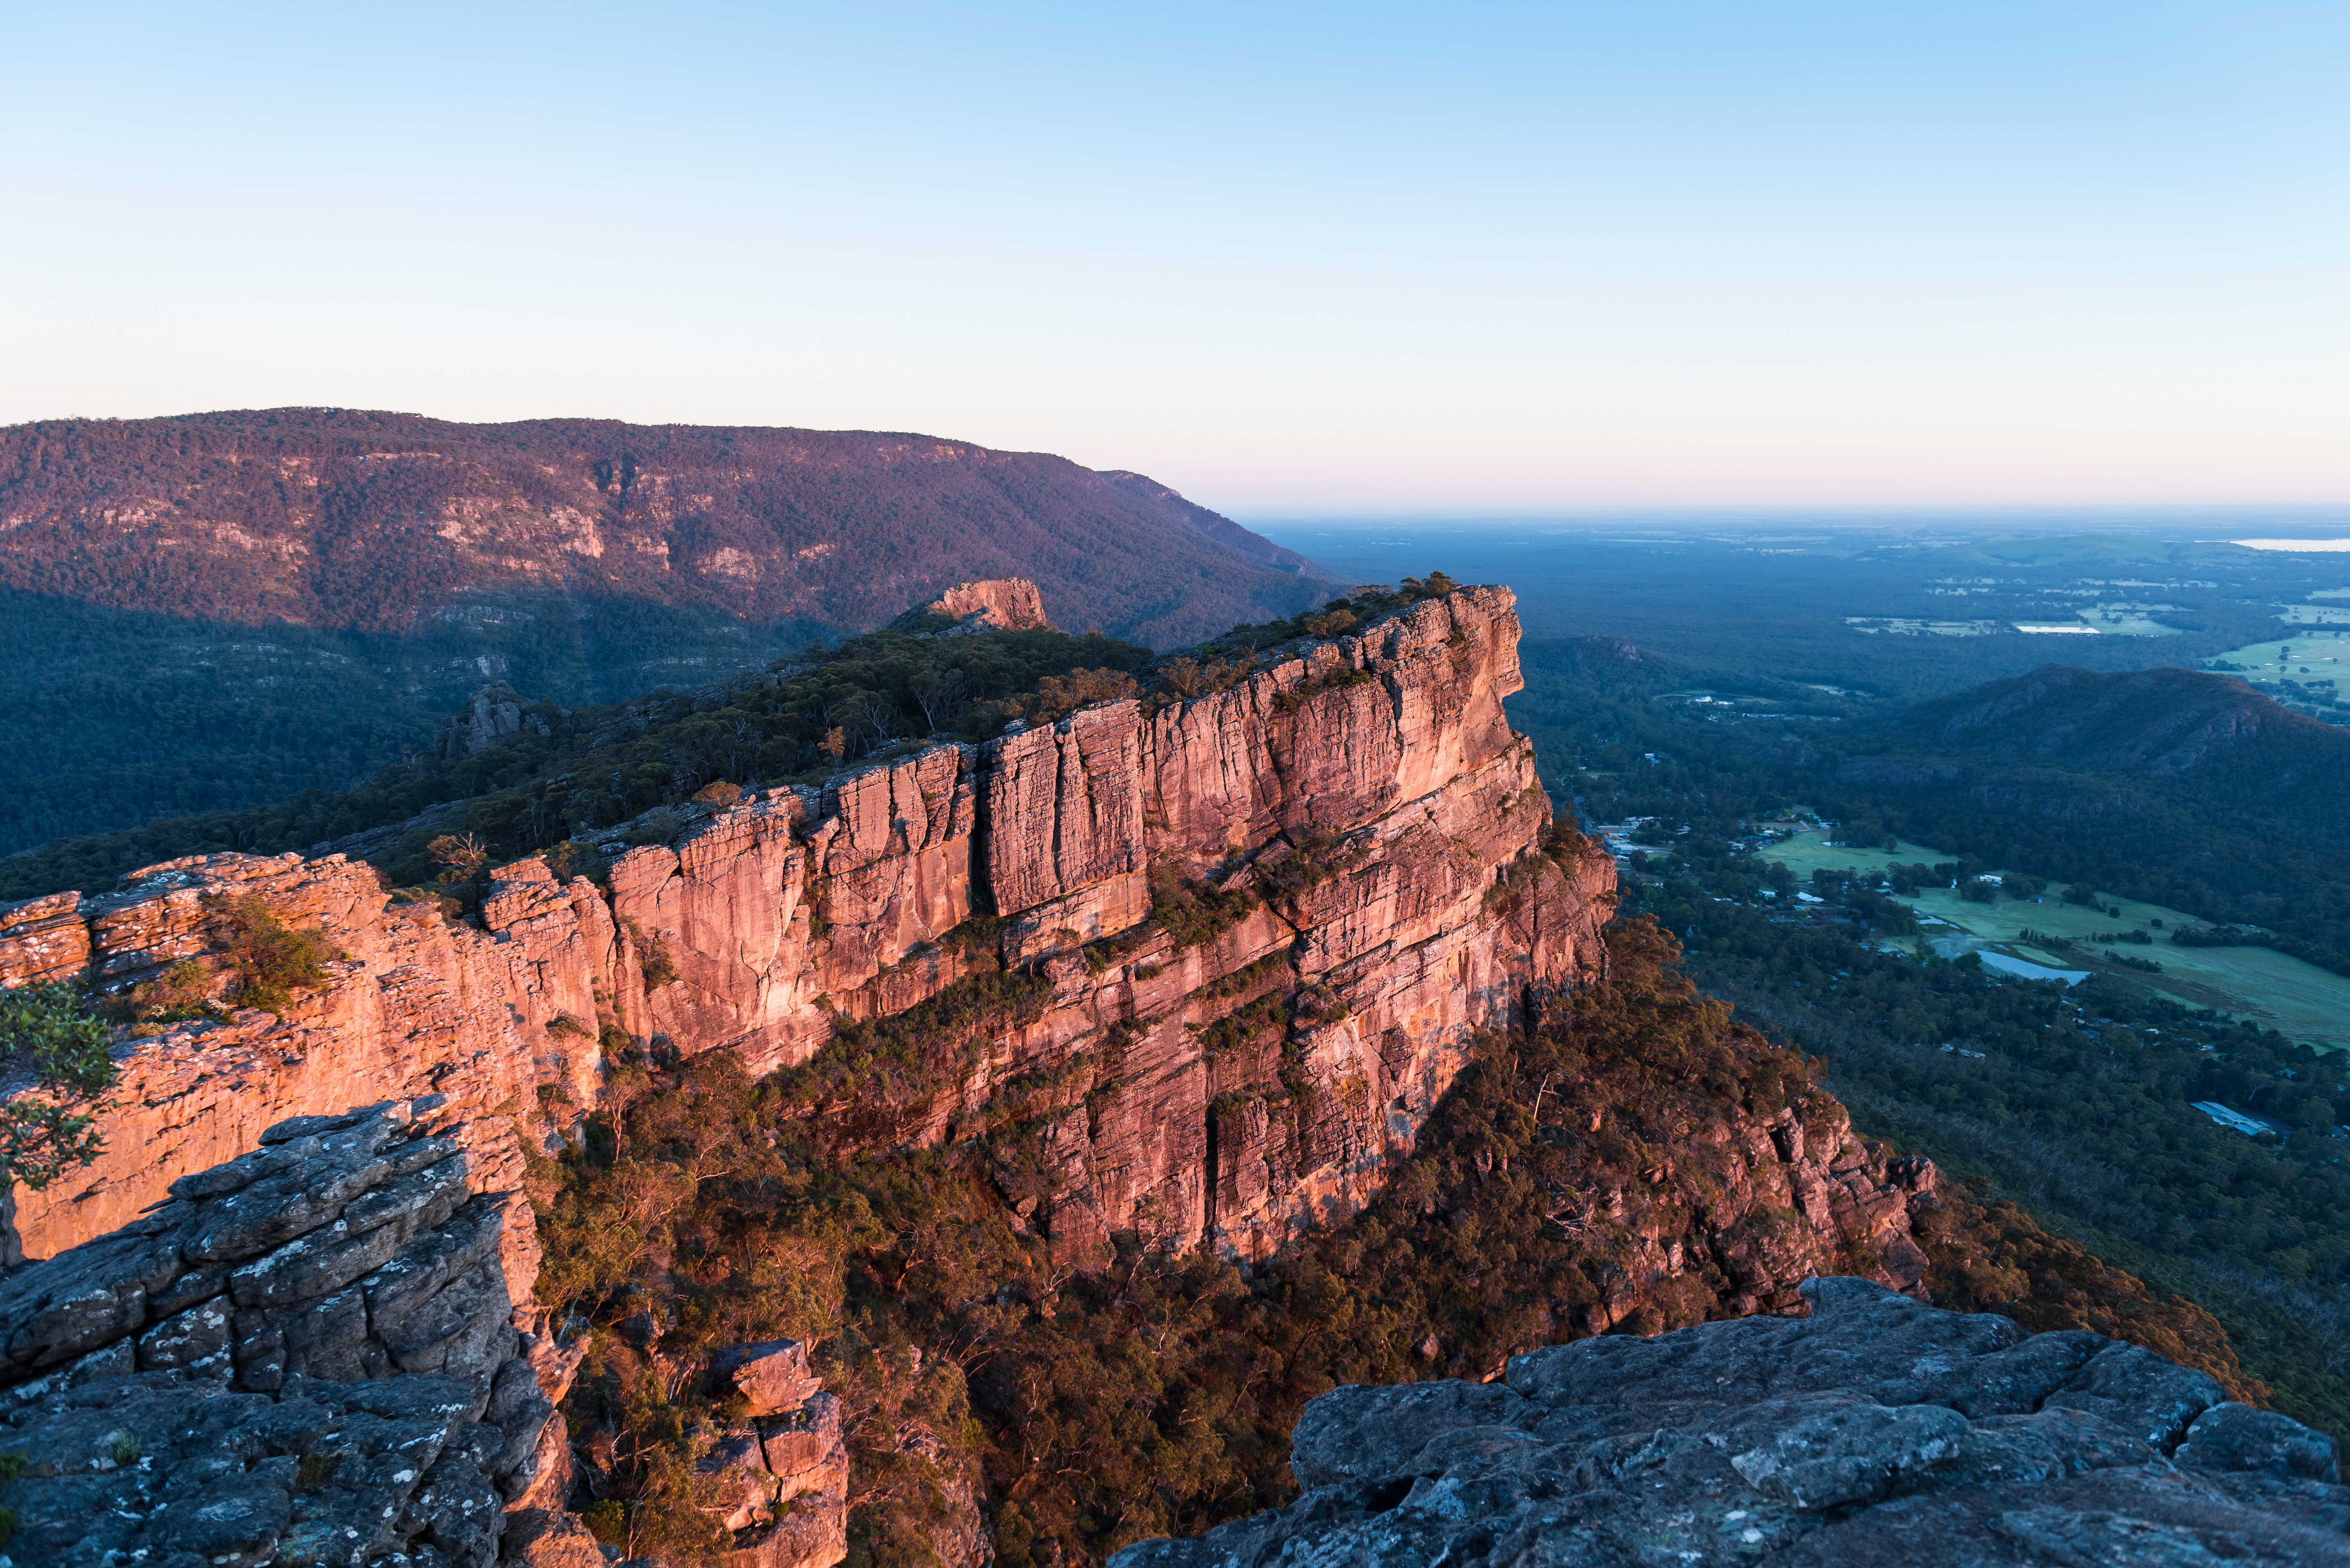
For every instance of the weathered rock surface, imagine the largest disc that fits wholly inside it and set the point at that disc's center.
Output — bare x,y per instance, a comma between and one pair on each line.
306,1355
1001,604
770,1378
494,713
1368,791
784,1477
43,939
418,1005
1876,1431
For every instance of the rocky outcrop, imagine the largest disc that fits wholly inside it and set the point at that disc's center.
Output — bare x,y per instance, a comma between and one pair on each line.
417,1003
994,604
782,1472
495,713
306,1355
784,1468
1364,801
42,938
1875,1431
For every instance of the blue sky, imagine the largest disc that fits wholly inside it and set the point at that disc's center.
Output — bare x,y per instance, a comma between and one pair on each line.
1283,258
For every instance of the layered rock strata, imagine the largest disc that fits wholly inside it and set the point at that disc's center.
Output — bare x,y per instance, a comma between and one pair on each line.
1235,1080
306,1355
1876,1431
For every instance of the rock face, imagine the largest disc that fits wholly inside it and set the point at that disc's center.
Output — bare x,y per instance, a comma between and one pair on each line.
999,604
418,1005
785,1471
496,712
307,1355
1231,1078
784,1480
1876,1431
43,939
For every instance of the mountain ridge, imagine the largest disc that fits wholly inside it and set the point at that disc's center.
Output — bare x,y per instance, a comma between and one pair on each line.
2180,786
354,519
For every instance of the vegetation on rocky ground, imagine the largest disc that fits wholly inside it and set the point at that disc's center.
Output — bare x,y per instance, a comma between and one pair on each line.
1154,1392
54,1053
269,960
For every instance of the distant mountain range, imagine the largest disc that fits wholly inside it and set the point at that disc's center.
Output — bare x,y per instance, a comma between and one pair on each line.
218,609
348,519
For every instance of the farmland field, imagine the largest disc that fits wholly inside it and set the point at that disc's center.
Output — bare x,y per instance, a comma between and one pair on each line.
2283,993
2325,653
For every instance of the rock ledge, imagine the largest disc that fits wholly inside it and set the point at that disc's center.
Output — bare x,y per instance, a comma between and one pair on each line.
1876,1431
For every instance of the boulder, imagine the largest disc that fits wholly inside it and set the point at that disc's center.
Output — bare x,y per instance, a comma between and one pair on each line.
771,1377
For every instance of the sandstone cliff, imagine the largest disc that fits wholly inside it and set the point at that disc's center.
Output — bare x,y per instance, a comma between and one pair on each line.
1363,802
1876,1431
1180,969
1002,604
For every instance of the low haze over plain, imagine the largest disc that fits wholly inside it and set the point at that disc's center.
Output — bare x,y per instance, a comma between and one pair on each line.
1279,257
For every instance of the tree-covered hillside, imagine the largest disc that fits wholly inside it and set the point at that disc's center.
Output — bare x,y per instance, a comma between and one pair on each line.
2075,1105
215,611
341,517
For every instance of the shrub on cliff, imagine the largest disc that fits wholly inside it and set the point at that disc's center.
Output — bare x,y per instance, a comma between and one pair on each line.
51,1044
1057,696
1192,911
270,959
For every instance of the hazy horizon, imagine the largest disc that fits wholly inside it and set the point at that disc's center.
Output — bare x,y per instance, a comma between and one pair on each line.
1514,257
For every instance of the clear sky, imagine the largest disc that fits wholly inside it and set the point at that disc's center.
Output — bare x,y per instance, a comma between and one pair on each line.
1279,256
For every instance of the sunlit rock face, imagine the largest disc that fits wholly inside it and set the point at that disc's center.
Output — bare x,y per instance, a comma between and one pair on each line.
999,604
1237,1082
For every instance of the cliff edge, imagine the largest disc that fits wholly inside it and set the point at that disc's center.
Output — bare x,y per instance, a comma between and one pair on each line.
1875,1431
1245,934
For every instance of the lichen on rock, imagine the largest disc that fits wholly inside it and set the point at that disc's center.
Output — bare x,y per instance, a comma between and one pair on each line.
1877,1430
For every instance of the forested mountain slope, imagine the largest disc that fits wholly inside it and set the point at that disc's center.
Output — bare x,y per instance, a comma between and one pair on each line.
2172,785
346,518
219,609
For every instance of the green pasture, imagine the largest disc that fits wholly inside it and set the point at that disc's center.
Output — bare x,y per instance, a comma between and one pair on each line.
2299,999
2322,653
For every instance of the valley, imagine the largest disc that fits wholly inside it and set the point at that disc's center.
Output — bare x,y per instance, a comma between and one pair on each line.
2076,1104
2297,998
1092,1071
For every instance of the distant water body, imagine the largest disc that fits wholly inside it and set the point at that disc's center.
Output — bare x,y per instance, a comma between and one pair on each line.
2316,527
